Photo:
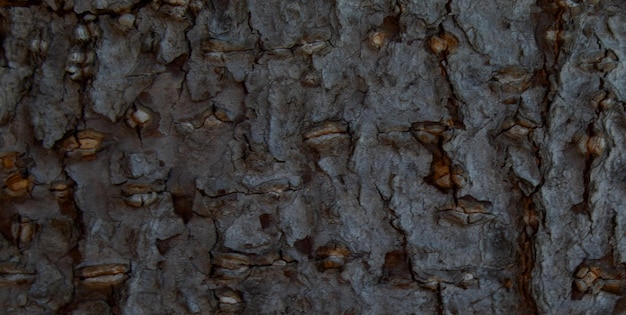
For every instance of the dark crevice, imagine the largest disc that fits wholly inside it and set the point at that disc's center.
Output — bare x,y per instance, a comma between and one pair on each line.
69,208
440,305
584,207
442,173
183,205
526,255
398,264
452,103
18,3
549,27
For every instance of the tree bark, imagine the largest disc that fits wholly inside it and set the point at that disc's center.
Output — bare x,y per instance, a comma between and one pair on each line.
343,157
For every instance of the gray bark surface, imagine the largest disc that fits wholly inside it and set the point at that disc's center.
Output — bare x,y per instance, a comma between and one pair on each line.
312,157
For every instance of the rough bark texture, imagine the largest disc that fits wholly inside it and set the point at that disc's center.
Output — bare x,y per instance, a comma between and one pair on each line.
354,157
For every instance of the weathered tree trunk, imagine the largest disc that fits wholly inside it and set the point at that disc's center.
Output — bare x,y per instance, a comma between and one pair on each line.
357,157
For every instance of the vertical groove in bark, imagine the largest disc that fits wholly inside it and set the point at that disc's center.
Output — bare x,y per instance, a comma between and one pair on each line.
527,254
548,31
